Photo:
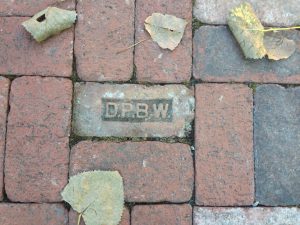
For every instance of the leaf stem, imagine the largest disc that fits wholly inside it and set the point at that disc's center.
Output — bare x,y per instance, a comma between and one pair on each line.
277,29
79,218
131,46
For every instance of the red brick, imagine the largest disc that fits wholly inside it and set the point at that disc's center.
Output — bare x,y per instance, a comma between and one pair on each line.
103,29
224,148
20,54
31,7
73,218
152,171
37,151
161,214
4,88
33,214
154,64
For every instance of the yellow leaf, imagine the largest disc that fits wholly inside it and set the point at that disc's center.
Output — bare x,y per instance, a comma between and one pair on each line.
49,22
97,195
166,30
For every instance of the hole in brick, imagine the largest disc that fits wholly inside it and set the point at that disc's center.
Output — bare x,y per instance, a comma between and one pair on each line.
41,18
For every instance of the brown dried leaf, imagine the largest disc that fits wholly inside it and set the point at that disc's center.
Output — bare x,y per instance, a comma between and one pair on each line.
166,30
278,47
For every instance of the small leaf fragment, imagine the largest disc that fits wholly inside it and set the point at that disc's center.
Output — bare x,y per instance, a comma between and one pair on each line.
247,29
49,22
166,30
278,47
97,195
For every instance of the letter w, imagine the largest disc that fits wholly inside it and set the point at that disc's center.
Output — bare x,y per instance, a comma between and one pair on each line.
160,111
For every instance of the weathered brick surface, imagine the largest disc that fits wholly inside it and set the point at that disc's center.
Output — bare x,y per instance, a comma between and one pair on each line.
161,214
246,216
277,145
4,88
20,54
73,218
224,149
103,29
31,7
270,12
37,151
132,110
152,171
33,214
218,58
154,64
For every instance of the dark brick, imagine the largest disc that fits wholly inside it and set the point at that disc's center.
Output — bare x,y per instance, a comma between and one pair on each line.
37,151
161,215
157,65
20,54
103,29
218,58
4,88
73,218
246,216
152,171
277,145
224,145
33,214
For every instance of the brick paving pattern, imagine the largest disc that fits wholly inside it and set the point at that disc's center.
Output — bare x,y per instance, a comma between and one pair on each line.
148,168
4,88
200,135
21,55
212,63
162,214
277,119
223,141
37,150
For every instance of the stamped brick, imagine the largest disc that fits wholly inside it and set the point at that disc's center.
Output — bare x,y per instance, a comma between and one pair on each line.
277,145
4,88
33,214
224,149
37,151
20,54
218,58
246,216
151,171
31,7
157,65
131,110
103,29
161,214
270,12
73,218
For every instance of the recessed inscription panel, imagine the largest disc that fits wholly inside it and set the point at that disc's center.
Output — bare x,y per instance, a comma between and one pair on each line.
152,110
131,110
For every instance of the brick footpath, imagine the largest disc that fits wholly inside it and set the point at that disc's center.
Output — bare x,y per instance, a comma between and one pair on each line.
200,135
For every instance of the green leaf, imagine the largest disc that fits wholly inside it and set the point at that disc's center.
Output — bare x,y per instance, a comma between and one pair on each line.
97,195
166,30
49,22
247,29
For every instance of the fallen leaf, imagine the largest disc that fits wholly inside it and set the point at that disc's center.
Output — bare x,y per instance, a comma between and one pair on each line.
49,22
97,195
247,29
278,47
166,30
